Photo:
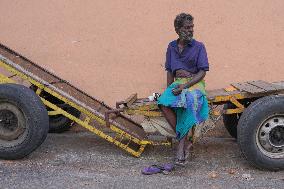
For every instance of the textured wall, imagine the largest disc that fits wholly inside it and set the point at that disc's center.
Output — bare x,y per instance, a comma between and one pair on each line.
114,48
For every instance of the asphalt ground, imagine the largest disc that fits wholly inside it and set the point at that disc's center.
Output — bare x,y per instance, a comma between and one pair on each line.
83,160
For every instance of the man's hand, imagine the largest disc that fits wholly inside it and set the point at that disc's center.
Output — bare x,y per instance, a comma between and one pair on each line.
178,89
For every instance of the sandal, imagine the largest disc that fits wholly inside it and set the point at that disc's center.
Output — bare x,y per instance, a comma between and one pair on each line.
168,168
154,169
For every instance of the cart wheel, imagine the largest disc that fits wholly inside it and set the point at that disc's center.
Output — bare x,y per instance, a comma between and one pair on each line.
261,133
58,123
231,120
23,121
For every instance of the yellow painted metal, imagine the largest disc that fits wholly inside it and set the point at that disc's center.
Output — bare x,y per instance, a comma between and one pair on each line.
87,120
5,79
51,113
240,108
216,112
141,149
227,98
38,91
230,88
234,111
164,143
237,103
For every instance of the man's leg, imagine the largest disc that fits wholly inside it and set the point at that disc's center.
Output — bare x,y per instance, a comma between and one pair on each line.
188,144
180,149
170,116
184,146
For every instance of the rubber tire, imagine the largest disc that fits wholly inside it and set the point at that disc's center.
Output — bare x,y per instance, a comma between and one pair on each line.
251,119
58,123
36,116
61,123
231,121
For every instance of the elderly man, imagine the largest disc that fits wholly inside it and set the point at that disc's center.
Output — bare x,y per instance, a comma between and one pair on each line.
184,102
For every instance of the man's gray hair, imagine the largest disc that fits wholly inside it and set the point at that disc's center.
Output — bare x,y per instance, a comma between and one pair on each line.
179,20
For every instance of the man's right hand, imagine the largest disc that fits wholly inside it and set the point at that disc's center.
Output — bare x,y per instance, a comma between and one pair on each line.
178,89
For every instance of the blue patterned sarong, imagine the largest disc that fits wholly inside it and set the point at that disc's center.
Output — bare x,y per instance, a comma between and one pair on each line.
191,106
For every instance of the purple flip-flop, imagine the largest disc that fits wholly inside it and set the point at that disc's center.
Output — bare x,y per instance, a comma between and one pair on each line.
154,169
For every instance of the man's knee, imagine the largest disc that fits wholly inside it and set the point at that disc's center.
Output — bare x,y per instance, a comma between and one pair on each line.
163,108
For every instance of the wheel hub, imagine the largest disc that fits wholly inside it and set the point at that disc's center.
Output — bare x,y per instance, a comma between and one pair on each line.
270,137
10,128
276,136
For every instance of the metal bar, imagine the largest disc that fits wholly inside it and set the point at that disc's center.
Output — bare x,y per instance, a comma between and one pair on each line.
129,101
50,113
141,149
108,112
233,111
87,120
38,91
237,103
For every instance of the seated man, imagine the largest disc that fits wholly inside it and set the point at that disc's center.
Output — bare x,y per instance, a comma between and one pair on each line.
184,102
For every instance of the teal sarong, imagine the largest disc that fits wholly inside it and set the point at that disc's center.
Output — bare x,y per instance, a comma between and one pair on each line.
191,106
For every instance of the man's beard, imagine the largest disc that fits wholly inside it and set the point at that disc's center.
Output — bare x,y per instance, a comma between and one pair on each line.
185,36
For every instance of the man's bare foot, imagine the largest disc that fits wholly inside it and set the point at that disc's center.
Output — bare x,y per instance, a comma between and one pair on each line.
180,162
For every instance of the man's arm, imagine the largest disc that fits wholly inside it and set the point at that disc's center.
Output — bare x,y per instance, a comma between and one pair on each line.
170,78
195,79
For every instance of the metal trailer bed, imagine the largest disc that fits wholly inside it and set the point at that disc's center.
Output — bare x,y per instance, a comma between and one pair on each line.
97,116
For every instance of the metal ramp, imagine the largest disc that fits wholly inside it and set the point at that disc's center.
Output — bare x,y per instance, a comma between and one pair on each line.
129,135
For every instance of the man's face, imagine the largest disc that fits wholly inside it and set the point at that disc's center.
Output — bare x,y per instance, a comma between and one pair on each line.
186,31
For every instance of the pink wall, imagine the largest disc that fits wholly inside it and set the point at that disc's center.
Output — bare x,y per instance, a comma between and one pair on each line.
114,48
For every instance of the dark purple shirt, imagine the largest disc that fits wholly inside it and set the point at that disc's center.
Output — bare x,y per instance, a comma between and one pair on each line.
193,58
